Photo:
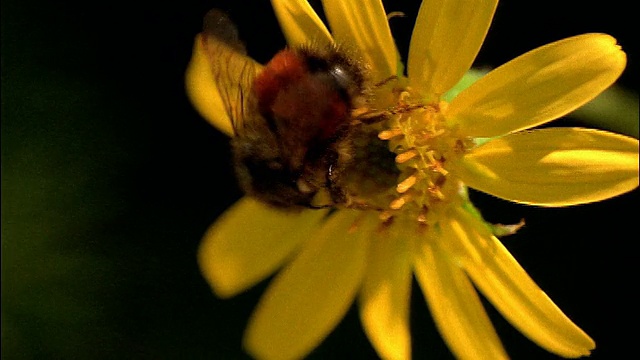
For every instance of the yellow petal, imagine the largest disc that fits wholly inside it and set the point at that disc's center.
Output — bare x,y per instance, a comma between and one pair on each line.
445,41
510,289
385,295
539,86
455,305
312,294
202,91
364,24
300,24
249,242
553,167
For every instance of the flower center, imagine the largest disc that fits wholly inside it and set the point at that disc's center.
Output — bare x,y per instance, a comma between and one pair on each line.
423,143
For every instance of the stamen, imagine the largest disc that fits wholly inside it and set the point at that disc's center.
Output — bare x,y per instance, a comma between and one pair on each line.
435,164
406,156
406,184
389,134
385,215
400,202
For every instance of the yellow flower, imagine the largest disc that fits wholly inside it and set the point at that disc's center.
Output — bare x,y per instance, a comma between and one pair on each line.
479,139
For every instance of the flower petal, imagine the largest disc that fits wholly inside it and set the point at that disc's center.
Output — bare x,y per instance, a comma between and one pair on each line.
364,24
445,41
510,289
539,86
312,294
300,23
384,298
249,242
202,91
455,305
553,167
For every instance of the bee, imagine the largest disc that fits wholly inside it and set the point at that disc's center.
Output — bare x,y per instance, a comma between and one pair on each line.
292,118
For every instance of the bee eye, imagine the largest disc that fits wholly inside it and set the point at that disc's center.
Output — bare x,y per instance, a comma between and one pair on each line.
341,77
316,64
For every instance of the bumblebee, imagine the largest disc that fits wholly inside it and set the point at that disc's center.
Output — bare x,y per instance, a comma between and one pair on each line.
295,135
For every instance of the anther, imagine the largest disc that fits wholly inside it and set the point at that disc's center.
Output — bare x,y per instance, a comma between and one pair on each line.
406,184
389,134
406,156
400,202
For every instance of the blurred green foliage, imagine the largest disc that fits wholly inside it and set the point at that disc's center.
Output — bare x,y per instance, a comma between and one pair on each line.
57,206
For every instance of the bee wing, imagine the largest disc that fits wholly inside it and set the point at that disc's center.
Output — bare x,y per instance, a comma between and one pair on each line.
233,71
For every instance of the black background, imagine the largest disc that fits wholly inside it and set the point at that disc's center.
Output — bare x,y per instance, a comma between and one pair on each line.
109,179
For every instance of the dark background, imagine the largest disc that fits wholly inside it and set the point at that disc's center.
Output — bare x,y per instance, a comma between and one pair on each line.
110,178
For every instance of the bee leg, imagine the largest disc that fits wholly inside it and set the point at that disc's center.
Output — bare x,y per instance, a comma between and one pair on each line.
385,81
338,195
367,117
